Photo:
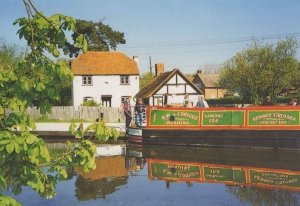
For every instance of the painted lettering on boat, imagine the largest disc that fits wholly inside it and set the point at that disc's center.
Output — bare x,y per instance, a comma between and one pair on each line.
223,118
273,118
203,172
174,118
177,171
223,174
274,178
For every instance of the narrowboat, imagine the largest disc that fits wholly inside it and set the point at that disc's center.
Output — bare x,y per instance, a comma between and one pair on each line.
255,126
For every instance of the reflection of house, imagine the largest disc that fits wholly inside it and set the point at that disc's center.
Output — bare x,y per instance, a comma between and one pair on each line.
208,84
100,182
105,77
106,167
168,88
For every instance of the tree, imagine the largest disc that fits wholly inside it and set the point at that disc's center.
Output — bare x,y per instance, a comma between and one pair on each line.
100,37
260,196
10,55
145,79
262,70
64,87
37,76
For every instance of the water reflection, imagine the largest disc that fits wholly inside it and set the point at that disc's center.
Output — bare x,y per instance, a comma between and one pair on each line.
163,175
258,177
110,173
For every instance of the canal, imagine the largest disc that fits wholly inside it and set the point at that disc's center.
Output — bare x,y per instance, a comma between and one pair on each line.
164,175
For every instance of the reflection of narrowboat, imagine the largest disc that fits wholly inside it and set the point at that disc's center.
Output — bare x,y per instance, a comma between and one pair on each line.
270,127
259,168
234,175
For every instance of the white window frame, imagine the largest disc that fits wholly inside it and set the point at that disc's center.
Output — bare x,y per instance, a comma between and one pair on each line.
87,80
124,79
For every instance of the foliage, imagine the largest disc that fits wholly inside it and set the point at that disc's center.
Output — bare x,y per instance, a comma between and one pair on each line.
226,101
262,70
37,77
64,87
90,103
145,79
10,55
261,196
100,37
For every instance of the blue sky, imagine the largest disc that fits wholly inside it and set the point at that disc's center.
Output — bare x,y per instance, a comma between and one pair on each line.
185,34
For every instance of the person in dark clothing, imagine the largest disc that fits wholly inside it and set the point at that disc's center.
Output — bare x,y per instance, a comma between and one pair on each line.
139,110
293,102
127,111
268,101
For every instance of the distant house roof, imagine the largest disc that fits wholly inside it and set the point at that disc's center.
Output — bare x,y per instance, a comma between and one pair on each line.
209,80
104,63
159,81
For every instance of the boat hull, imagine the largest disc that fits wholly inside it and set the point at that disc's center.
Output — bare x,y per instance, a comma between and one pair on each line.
273,139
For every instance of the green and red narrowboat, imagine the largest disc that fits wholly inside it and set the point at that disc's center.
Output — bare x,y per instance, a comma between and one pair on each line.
267,127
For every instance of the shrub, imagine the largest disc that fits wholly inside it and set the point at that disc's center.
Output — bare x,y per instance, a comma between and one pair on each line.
90,103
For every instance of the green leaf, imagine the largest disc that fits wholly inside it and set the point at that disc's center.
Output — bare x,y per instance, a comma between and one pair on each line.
85,45
2,182
79,41
31,139
55,52
72,128
44,152
1,110
5,140
40,86
17,147
10,147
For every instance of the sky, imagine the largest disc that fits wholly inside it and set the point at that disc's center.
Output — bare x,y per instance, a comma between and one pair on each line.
185,34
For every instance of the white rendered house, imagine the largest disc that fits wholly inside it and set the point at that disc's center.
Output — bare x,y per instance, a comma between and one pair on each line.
105,77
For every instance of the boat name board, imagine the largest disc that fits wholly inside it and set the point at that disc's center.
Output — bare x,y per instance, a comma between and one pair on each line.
174,117
223,174
269,118
226,118
175,171
274,178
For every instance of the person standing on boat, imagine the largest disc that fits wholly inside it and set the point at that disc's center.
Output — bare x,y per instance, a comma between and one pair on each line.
186,101
127,111
201,102
139,110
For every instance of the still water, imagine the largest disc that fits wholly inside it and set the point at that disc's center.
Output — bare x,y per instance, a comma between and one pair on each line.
161,175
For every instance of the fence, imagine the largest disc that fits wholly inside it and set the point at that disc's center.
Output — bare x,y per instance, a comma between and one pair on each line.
108,114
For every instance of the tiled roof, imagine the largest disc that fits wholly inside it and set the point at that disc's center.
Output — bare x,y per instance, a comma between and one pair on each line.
104,63
209,80
159,81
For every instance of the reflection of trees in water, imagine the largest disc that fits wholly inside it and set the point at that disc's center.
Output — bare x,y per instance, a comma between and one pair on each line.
260,196
91,189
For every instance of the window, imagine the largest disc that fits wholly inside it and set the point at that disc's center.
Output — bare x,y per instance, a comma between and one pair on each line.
106,100
85,99
123,98
124,79
87,80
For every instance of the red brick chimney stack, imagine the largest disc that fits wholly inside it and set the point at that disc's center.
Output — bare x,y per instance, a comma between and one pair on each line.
159,69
